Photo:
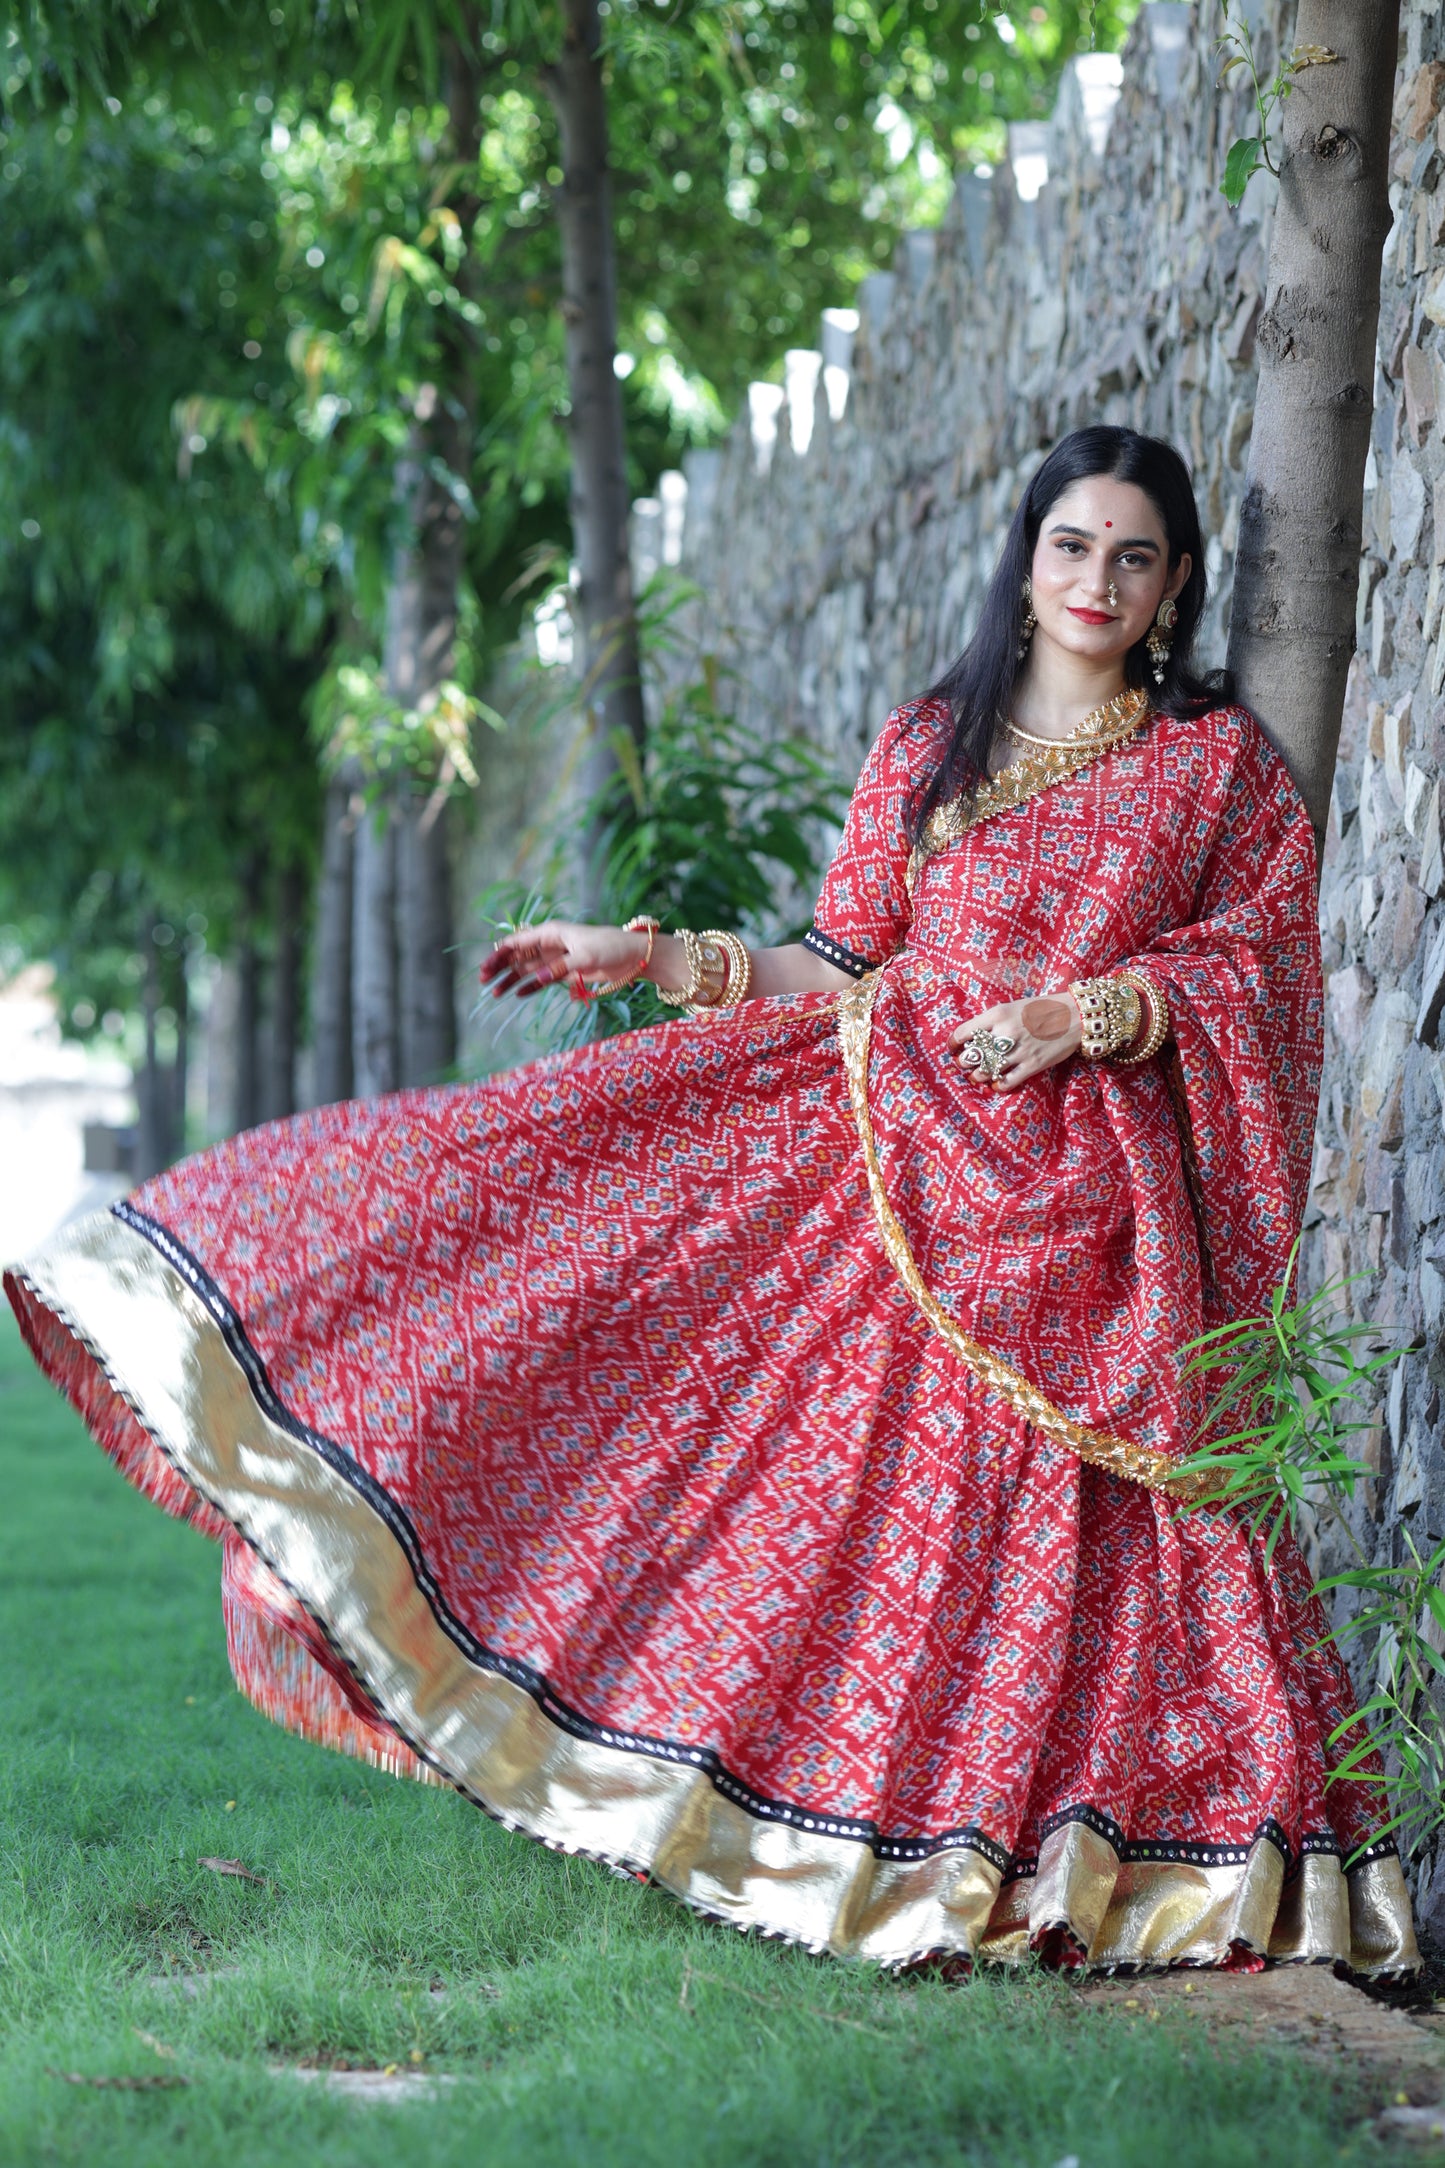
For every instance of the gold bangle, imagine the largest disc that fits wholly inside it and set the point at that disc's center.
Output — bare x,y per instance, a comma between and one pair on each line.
719,971
649,926
1157,1030
706,973
684,996
740,968
713,972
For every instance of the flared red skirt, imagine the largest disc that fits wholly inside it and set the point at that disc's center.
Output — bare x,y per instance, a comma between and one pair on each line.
572,1441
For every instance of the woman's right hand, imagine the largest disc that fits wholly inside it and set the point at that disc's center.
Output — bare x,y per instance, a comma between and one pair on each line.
536,957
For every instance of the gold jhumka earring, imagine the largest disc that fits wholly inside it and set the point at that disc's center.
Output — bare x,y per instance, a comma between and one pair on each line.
1161,638
1028,622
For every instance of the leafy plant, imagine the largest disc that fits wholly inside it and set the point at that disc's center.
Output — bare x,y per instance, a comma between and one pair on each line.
1295,1389
362,726
705,827
1249,154
1407,1619
714,824
1290,1381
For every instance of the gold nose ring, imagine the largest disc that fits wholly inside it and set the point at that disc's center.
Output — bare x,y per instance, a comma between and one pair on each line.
1113,596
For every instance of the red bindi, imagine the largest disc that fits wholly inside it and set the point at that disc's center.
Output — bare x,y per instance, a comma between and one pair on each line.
1108,523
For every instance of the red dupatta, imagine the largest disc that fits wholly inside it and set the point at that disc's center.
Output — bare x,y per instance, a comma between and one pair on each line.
1071,1237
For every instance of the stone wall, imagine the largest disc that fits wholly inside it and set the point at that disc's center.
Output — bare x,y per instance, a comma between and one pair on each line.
839,578
841,557
1378,1204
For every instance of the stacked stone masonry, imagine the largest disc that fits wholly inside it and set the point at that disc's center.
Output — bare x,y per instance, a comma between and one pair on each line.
837,579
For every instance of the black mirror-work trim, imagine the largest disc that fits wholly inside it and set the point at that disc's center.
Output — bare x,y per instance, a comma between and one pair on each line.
834,952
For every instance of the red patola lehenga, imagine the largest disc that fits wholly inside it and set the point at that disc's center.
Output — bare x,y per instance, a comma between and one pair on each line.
746,1452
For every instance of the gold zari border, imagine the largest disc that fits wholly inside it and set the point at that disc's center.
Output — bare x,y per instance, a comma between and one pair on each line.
1119,1455
167,1358
1014,786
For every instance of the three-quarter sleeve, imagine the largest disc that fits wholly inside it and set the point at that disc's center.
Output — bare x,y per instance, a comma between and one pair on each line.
863,909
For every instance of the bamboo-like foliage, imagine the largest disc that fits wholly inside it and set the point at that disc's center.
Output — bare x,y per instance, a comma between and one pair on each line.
1295,1386
1292,1391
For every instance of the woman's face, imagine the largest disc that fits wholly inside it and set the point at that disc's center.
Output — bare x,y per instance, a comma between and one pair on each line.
1101,569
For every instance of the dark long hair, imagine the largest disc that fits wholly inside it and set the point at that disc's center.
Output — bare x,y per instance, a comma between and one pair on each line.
979,687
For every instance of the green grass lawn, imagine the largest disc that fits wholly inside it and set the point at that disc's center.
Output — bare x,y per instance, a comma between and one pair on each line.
398,1924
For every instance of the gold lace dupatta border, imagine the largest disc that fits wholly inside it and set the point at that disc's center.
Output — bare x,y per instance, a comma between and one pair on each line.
1020,781
1100,1447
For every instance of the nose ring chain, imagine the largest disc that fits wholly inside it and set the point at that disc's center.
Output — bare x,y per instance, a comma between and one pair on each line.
1113,596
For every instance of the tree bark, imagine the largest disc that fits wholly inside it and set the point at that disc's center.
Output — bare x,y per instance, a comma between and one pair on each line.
420,654
331,967
248,1001
596,430
421,628
179,1081
376,1064
428,998
150,1135
1292,625
286,990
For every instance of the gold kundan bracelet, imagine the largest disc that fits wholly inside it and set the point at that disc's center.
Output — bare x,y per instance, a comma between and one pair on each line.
1112,1011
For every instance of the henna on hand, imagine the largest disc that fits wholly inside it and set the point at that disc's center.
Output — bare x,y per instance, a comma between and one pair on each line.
1047,1019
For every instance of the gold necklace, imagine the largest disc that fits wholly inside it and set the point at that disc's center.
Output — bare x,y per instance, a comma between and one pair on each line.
1099,726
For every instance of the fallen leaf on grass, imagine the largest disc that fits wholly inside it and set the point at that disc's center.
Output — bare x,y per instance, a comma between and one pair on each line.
158,2046
235,1867
158,2081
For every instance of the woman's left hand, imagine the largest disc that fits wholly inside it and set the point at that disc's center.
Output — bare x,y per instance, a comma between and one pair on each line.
1043,1030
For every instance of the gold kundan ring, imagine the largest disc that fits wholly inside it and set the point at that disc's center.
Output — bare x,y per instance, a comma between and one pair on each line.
984,1051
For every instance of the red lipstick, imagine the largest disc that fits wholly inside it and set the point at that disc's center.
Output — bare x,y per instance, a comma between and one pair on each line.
1091,617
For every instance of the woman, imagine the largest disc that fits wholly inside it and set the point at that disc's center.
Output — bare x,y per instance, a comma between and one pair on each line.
747,1452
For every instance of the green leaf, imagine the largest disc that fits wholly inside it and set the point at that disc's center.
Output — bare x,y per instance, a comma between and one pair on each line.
1351,1764
1244,161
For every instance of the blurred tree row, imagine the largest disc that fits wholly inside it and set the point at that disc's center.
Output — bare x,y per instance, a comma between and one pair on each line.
310,319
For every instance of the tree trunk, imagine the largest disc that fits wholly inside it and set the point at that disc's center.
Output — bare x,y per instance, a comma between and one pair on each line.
595,427
421,629
428,999
1292,625
248,1002
180,1066
420,654
286,990
331,967
150,1135
375,1048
